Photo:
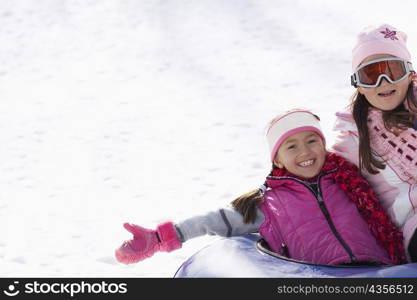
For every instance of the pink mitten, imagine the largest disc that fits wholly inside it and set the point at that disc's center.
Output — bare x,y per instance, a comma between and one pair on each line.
146,242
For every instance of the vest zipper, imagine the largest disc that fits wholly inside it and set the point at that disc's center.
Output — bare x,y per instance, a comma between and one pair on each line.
325,211
331,224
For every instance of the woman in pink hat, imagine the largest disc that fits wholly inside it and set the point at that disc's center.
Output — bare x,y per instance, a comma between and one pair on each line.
314,207
378,132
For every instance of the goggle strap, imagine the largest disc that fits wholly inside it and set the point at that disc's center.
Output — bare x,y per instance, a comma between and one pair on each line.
353,81
410,66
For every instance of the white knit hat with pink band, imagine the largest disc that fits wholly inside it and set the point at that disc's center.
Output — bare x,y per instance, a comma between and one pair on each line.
288,124
381,39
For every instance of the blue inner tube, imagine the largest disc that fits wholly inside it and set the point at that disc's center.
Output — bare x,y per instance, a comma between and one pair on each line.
249,256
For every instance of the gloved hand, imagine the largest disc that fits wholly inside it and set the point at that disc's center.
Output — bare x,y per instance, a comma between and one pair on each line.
146,242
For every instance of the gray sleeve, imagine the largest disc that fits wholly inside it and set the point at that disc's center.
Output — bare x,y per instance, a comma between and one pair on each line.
223,222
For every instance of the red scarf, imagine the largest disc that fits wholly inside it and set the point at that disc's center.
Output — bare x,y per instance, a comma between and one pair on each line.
360,192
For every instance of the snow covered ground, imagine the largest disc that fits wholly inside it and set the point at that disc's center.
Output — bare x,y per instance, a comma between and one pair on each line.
143,111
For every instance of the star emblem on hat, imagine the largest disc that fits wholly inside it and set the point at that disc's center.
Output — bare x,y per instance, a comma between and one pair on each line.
388,34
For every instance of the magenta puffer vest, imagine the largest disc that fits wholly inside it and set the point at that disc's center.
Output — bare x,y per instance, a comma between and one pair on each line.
318,225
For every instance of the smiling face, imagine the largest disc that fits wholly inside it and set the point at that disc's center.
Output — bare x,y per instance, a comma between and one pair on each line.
302,154
386,96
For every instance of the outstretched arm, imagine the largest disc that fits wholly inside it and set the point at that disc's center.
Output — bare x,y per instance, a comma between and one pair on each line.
223,222
169,236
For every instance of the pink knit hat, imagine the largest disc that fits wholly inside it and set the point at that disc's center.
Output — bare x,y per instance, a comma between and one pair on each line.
382,39
289,123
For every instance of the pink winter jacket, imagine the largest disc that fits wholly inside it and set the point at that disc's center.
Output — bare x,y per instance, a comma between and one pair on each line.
321,225
395,189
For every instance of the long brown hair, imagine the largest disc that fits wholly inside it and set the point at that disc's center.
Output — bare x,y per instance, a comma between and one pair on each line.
399,117
247,203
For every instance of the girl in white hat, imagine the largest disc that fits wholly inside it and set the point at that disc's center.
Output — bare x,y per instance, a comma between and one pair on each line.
313,207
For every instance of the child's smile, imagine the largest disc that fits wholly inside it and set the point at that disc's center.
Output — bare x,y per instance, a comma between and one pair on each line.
386,94
302,154
306,163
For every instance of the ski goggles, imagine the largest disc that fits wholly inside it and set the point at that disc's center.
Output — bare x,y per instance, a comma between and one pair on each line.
370,74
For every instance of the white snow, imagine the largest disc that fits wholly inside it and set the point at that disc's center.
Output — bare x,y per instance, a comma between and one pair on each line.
144,111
